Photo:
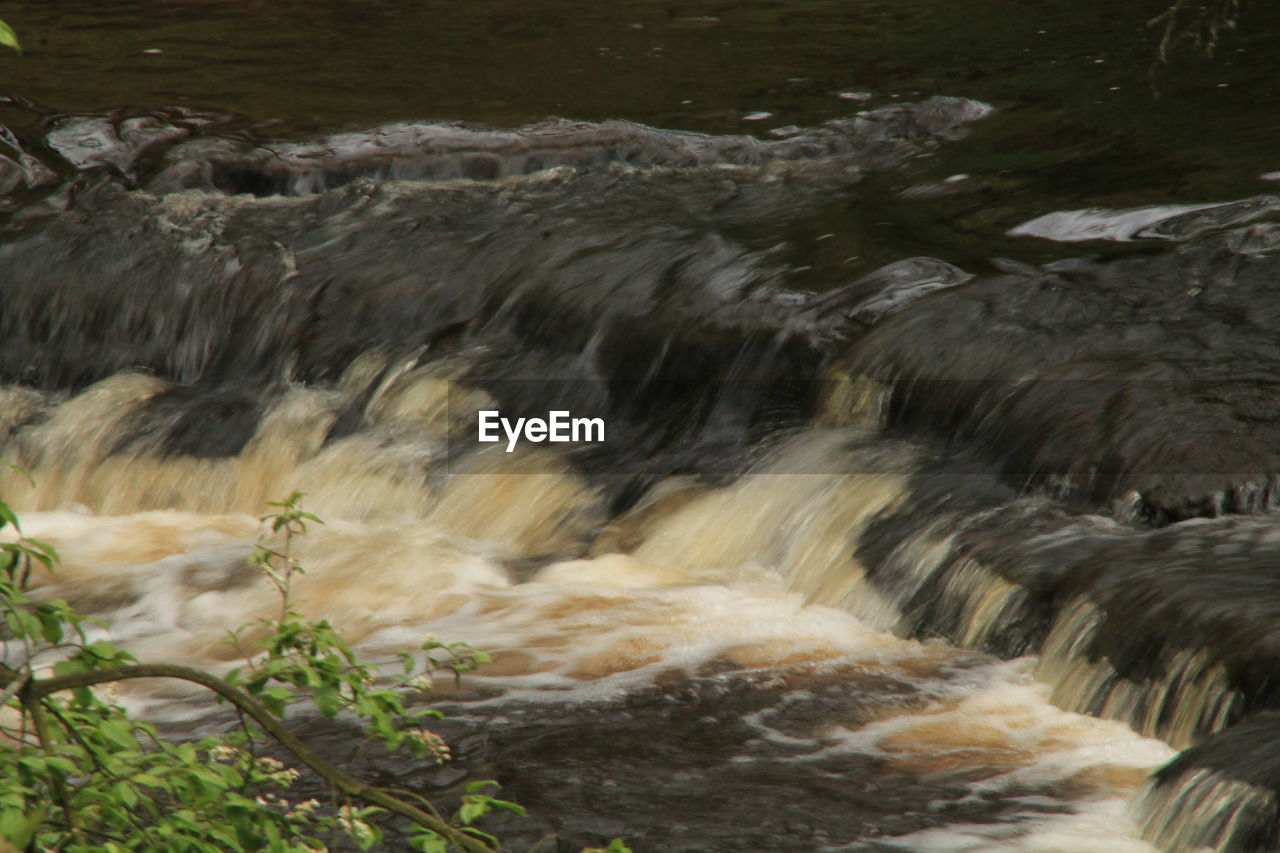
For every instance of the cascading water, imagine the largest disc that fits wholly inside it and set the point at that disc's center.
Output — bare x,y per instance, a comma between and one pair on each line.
941,559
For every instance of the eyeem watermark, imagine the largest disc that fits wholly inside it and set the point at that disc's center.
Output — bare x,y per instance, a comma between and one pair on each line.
559,426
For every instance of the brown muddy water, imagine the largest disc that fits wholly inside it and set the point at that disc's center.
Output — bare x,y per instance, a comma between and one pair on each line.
934,346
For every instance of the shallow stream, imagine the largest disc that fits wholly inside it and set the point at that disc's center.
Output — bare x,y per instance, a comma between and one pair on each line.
934,346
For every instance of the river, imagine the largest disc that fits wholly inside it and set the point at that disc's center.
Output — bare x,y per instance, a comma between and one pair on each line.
934,503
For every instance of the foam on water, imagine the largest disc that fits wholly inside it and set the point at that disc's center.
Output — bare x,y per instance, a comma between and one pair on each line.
1004,737
512,553
593,629
1157,222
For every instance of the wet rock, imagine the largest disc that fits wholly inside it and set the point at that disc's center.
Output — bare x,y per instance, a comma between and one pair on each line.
19,170
197,423
1222,795
593,275
1172,631
443,151
1152,375
90,141
888,290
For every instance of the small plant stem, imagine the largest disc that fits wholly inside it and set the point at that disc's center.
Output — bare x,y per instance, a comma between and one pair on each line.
288,574
33,705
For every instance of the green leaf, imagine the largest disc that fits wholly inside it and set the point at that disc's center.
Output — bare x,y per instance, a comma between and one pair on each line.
125,793
50,625
119,733
209,775
107,653
615,846
149,780
472,810
328,700
491,840
427,841
42,551
508,806
23,624
6,514
18,828
17,468
61,764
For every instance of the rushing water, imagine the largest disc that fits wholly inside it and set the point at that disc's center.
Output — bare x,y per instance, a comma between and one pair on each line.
936,507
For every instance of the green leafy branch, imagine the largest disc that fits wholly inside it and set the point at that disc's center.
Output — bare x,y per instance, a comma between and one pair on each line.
77,774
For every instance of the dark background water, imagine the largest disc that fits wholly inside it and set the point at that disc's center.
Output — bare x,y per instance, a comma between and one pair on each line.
1084,119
